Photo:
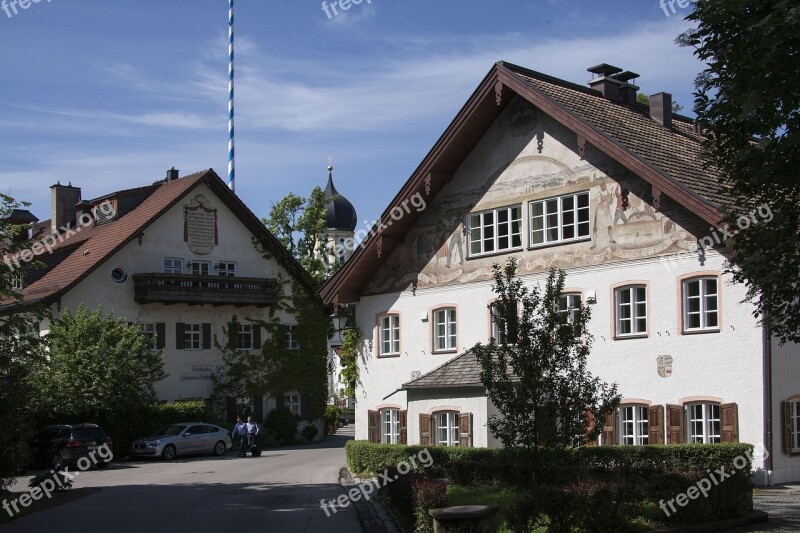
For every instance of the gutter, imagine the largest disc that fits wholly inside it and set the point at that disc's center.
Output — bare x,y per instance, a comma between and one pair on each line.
768,412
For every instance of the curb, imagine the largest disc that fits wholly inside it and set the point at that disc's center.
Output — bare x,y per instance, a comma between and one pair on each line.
372,514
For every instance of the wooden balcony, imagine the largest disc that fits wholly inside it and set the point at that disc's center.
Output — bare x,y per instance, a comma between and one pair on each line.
210,290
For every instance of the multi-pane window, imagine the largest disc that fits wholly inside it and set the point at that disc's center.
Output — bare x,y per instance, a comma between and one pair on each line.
634,428
244,337
447,429
390,426
498,332
795,425
149,330
17,281
496,230
390,335
173,265
444,329
201,268
193,336
227,269
704,423
569,305
561,219
292,403
290,334
631,307
701,304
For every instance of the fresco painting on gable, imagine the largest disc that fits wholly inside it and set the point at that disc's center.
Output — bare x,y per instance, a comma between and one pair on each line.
628,219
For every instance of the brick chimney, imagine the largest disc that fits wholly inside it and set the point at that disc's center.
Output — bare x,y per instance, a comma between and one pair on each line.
63,199
661,109
172,174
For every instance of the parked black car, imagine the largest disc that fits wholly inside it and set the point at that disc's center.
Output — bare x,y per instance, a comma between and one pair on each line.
62,445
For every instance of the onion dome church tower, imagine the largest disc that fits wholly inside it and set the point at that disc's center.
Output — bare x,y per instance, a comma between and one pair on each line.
341,223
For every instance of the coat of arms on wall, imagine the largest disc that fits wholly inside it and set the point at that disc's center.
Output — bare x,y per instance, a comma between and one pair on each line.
665,366
200,227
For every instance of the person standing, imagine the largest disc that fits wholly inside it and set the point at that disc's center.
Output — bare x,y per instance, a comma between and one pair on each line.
252,431
240,431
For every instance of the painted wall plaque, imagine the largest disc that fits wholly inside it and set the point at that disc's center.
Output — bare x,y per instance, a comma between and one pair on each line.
200,227
665,366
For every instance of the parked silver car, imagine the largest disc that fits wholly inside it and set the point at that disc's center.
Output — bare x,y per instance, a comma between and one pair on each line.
183,439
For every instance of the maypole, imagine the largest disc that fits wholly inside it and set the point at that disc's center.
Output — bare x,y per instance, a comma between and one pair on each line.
231,159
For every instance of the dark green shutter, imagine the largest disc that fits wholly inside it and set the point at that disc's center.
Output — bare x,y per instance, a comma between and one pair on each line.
233,333
161,335
180,336
206,336
304,401
256,336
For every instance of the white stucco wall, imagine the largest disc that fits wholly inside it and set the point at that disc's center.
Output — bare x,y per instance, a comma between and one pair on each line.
164,238
461,400
785,385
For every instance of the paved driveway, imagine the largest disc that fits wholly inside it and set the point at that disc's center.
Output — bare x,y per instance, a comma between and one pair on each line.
279,491
782,502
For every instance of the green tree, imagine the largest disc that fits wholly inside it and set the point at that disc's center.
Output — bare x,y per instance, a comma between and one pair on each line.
301,225
537,376
748,99
19,348
98,369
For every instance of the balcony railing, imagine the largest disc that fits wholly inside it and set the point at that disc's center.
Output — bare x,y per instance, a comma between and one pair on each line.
197,290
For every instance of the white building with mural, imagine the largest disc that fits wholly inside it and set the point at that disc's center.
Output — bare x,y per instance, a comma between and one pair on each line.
178,257
614,192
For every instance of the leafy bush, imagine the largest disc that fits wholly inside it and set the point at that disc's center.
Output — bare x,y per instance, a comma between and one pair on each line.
309,432
428,494
524,514
604,505
332,414
281,426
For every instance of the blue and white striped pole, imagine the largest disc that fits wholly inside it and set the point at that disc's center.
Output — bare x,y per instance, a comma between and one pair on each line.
231,159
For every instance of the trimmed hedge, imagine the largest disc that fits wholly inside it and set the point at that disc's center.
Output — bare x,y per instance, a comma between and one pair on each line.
368,457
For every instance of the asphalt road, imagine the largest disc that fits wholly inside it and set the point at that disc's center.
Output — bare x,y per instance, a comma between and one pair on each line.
279,491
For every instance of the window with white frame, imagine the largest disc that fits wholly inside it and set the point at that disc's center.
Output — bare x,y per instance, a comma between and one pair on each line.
390,426
290,334
701,304
17,281
561,219
201,268
444,329
498,326
193,336
292,403
227,269
569,305
173,265
495,230
390,335
794,412
634,424
149,330
447,429
704,423
631,310
244,337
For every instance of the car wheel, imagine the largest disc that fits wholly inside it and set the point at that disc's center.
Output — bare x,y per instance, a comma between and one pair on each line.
169,453
219,448
102,465
56,461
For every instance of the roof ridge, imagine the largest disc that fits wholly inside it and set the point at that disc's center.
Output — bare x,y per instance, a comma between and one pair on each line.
448,362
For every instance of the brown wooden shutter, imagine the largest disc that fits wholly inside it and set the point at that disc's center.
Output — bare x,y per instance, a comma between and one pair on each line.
403,437
676,434
655,424
374,426
591,420
180,336
730,422
787,428
425,429
610,429
465,430
161,335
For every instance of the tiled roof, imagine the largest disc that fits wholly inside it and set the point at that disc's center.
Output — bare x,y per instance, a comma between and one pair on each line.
678,152
99,242
461,371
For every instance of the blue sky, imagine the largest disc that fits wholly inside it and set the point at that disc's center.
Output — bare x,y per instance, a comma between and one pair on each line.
109,95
